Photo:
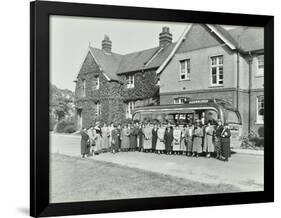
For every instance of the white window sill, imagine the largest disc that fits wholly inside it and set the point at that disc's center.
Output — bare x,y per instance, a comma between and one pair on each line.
216,86
259,123
184,80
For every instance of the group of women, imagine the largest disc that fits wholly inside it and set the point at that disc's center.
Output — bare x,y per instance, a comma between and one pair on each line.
190,140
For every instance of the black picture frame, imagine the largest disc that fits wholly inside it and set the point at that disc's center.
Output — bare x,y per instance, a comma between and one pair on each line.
39,108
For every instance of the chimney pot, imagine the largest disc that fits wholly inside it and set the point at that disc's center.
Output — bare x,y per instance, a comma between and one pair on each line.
106,44
165,37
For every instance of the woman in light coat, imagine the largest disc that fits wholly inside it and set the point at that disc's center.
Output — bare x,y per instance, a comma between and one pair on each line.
125,138
160,144
147,131
197,140
209,147
177,140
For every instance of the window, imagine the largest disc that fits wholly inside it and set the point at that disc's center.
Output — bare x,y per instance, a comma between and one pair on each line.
260,65
130,81
185,69
130,108
83,88
97,82
180,100
260,109
98,107
158,82
217,70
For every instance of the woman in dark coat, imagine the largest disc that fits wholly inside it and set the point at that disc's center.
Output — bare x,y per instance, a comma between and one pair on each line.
140,137
133,138
84,143
218,131
168,139
225,142
154,137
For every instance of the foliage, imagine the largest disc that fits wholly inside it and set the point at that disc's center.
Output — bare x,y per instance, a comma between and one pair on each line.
61,103
52,123
253,140
69,129
145,87
65,127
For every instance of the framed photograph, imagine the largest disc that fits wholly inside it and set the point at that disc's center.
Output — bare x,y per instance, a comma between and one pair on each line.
142,109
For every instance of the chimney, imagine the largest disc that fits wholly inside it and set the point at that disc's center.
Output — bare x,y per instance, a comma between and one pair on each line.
165,37
106,44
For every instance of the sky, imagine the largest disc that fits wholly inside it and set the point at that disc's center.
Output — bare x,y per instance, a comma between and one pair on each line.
71,36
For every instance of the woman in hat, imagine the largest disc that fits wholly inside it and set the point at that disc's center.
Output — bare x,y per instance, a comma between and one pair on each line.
125,138
98,139
105,133
84,142
154,137
209,147
218,131
225,142
147,132
134,137
169,138
115,139
177,139
189,139
160,144
140,137
91,140
197,139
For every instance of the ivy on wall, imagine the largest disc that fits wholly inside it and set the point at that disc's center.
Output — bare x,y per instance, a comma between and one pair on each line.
112,95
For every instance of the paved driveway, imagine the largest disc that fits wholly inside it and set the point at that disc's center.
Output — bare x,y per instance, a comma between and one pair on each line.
243,171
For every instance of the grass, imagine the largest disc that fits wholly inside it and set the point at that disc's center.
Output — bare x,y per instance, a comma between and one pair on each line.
75,179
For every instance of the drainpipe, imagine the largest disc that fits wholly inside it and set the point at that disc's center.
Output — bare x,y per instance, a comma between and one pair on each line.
238,76
250,61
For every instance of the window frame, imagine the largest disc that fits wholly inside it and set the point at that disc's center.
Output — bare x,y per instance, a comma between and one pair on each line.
217,67
97,82
130,81
180,99
98,109
259,118
187,71
260,72
130,107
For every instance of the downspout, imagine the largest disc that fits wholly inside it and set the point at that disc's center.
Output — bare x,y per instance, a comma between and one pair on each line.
238,81
250,61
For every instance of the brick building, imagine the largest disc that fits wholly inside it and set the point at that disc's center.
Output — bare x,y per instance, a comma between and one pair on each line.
110,85
209,61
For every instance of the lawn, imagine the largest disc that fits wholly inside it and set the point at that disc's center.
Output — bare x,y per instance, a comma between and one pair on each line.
75,179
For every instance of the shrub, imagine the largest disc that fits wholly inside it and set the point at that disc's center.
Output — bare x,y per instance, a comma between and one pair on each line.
52,124
252,140
63,126
69,129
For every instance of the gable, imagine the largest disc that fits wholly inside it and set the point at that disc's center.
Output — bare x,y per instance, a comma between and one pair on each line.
89,65
198,37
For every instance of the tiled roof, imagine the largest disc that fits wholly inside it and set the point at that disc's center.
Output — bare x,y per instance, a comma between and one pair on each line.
113,64
248,38
136,60
109,63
